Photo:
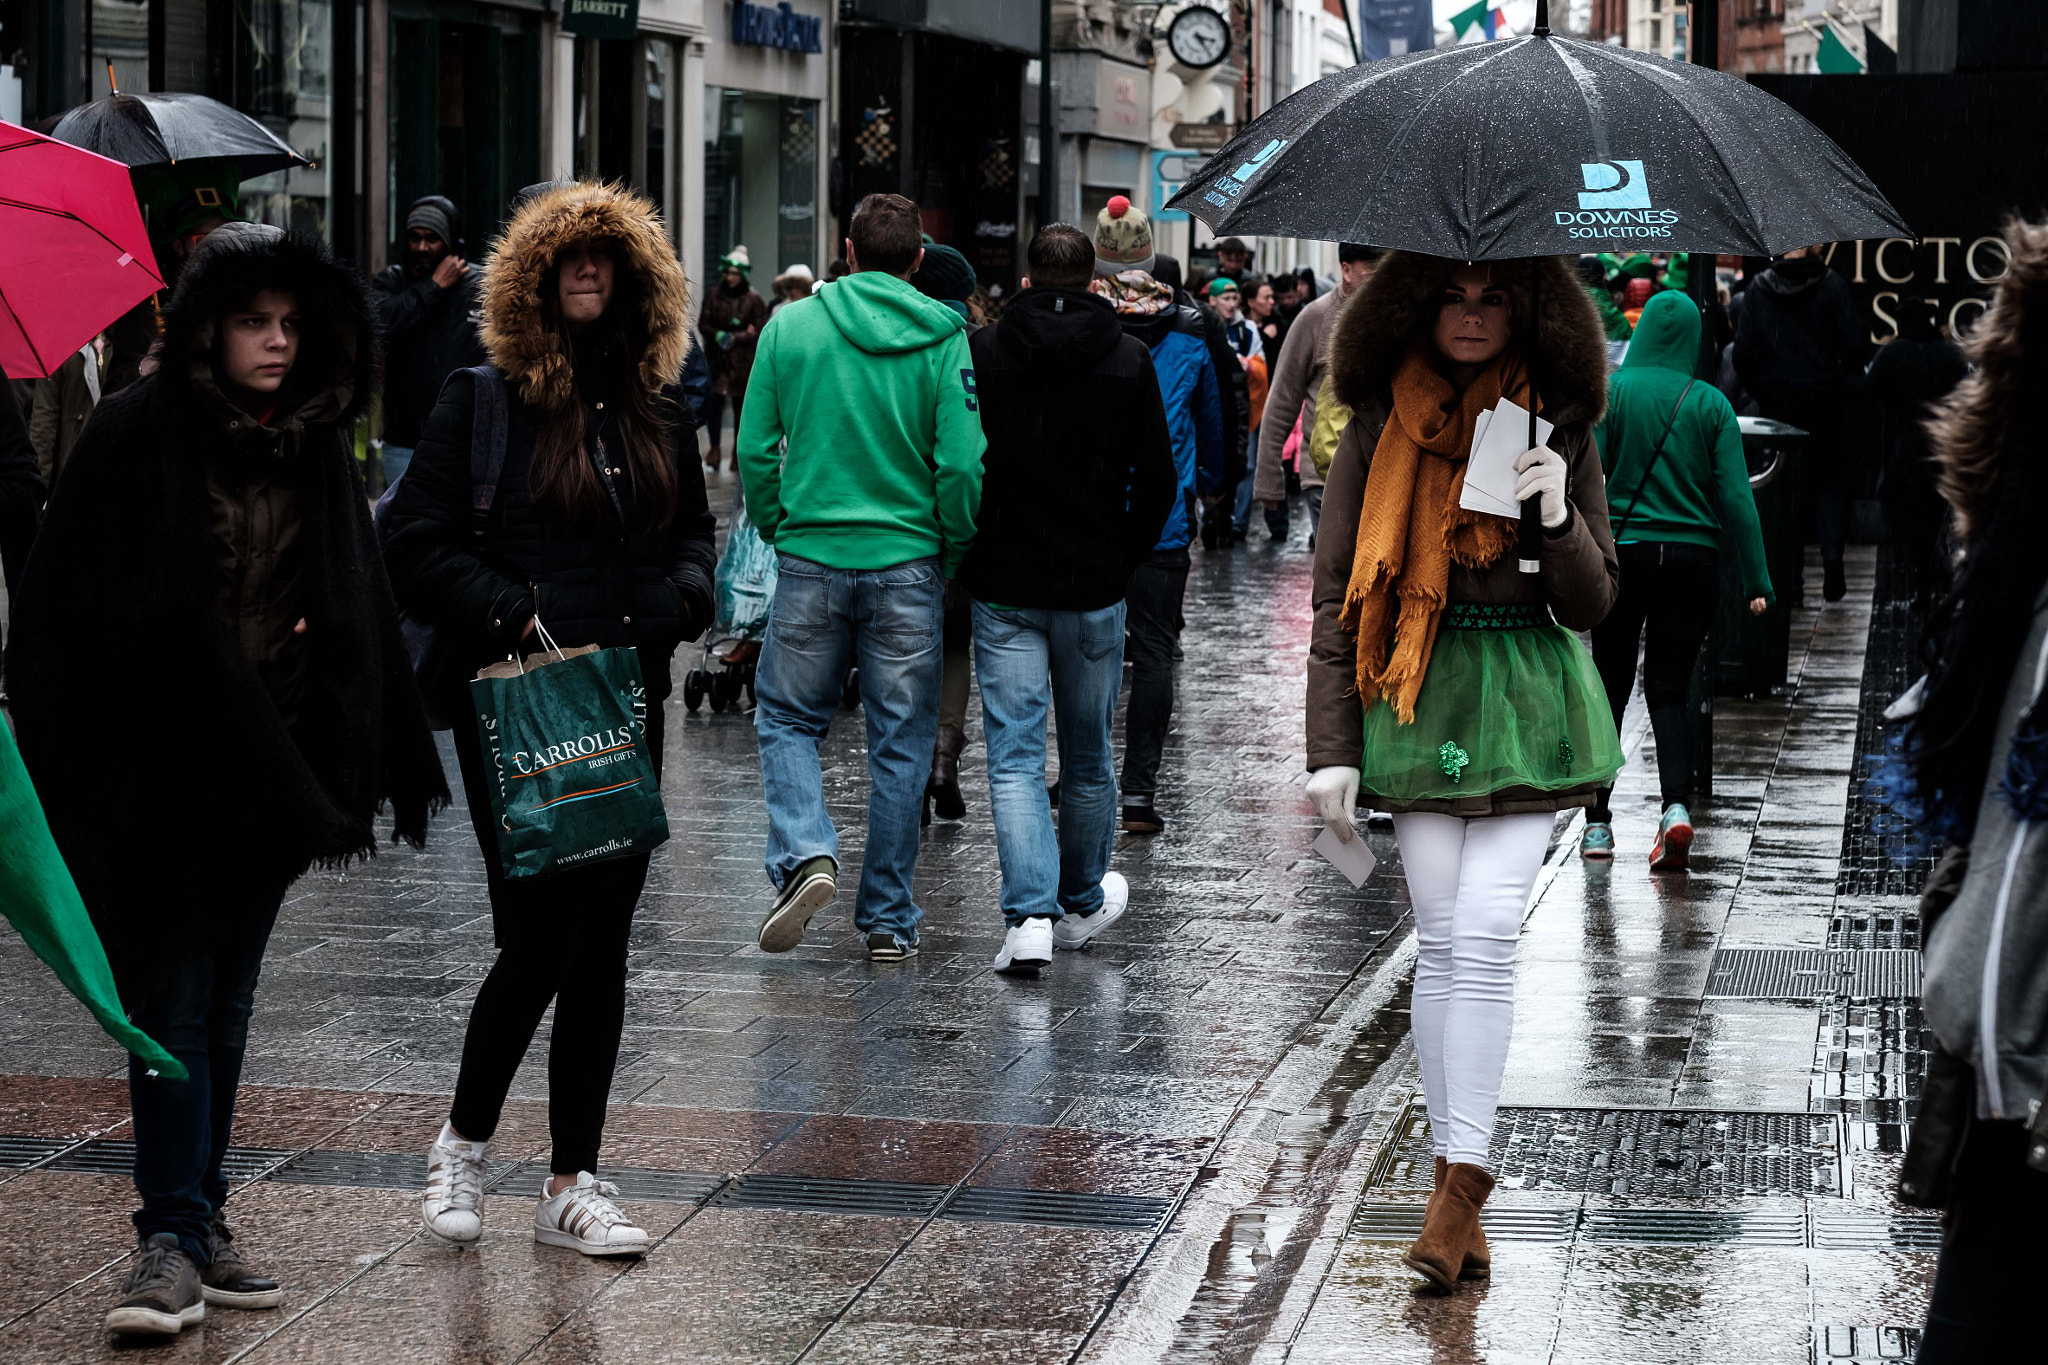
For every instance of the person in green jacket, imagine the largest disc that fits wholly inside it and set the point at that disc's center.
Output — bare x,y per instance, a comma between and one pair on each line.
1671,512
860,453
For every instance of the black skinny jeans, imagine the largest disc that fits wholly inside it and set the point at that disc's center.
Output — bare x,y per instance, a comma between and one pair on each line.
1672,590
1153,620
561,938
1992,1256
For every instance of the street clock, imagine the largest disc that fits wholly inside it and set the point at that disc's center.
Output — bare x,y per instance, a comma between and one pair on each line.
1198,37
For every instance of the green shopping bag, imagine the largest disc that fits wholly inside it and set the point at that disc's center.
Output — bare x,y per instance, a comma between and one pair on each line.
564,737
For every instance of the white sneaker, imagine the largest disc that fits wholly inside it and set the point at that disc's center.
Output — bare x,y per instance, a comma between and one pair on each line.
584,1218
1077,931
1026,948
453,1207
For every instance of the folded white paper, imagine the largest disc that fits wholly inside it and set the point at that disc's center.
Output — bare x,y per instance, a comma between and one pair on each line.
1354,859
1499,438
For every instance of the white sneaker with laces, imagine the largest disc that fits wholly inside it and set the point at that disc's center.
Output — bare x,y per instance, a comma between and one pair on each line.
453,1207
1027,947
1077,931
584,1218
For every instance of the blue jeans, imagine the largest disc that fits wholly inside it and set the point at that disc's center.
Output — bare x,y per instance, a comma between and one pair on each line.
1072,662
395,459
200,1013
1240,522
823,621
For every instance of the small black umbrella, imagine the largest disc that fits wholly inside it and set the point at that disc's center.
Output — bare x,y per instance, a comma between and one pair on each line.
1537,146
156,130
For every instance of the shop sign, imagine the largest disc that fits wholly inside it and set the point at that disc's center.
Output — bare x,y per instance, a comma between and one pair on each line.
601,18
776,26
1171,170
1206,137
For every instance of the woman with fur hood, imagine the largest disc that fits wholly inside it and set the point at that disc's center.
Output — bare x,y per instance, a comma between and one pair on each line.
1445,685
212,696
599,532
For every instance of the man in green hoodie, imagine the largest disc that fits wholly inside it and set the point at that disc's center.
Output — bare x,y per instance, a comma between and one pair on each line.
1677,486
870,506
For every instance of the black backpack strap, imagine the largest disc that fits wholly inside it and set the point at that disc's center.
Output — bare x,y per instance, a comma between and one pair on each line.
1656,458
486,444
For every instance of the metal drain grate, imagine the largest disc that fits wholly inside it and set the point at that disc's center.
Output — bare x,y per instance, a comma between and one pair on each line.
1869,1059
104,1156
1503,1223
1874,930
1850,1229
1836,1344
1755,1227
1669,1153
1812,973
363,1170
18,1152
808,1194
985,1204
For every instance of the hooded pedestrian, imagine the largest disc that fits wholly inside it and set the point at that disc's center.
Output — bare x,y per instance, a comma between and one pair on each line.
1445,686
1976,779
1079,474
1294,389
428,306
1672,452
599,533
1909,376
212,529
730,321
1800,348
870,511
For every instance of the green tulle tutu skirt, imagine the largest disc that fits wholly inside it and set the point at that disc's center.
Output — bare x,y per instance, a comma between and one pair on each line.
1511,700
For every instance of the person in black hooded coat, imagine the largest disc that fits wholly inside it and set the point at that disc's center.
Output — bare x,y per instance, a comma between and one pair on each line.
212,695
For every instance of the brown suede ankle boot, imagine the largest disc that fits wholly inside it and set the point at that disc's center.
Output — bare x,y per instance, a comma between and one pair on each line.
1452,1244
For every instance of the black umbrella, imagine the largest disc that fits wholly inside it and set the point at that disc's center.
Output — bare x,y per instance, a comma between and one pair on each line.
156,130
1537,146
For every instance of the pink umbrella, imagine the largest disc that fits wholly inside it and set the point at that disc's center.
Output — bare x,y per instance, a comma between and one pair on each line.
73,252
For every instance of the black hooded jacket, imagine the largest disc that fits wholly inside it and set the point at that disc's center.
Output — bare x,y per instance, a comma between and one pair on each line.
1799,333
178,792
1079,470
429,334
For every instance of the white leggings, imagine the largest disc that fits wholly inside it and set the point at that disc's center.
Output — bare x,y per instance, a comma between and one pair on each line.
1469,881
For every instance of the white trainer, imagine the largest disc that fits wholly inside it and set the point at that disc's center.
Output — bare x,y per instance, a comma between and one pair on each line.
584,1218
1027,947
453,1206
1077,931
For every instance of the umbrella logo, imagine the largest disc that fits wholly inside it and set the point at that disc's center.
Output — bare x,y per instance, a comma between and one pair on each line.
1614,185
1234,184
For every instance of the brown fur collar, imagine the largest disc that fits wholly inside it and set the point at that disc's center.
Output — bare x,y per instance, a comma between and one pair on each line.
1377,323
1981,425
514,331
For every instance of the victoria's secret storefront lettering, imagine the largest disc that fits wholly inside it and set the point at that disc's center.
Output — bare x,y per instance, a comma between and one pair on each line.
1957,273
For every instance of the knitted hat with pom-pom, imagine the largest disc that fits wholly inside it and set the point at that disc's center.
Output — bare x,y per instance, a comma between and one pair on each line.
1123,238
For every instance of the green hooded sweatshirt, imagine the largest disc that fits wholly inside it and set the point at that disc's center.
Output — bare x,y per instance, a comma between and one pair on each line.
871,384
1701,487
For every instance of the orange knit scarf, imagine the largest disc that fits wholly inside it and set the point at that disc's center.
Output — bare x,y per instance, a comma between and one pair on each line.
1411,529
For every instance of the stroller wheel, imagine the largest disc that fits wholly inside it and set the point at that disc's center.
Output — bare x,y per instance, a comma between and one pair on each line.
721,692
694,689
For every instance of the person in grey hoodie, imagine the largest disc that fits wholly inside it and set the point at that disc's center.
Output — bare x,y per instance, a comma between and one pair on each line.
1976,758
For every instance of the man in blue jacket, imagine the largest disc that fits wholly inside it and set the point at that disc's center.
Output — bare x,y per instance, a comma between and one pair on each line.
1191,391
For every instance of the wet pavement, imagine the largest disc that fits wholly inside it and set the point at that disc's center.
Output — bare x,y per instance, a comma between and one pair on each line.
1194,1142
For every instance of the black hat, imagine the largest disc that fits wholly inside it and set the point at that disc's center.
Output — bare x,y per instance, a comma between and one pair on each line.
944,274
1348,252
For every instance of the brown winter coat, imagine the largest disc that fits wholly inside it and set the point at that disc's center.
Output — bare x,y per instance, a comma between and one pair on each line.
1569,370
743,315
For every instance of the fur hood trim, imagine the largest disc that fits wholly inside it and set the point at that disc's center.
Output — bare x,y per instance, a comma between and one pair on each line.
335,375
1378,322
1981,422
562,216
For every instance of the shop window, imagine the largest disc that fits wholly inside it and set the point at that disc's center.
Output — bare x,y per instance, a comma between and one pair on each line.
283,65
760,181
118,46
462,120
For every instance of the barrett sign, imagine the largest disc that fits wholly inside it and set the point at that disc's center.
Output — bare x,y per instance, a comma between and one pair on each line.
601,18
780,26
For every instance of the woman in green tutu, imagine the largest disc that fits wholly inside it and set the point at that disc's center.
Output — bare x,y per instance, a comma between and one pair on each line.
1445,685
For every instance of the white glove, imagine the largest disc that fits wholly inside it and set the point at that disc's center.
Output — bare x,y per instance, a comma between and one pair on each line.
1334,793
1542,471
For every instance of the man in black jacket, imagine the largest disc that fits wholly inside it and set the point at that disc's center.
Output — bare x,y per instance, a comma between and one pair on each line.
1800,347
1078,476
428,306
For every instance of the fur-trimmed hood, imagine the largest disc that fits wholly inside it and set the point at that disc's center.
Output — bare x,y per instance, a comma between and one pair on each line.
1981,424
1379,321
335,375
515,332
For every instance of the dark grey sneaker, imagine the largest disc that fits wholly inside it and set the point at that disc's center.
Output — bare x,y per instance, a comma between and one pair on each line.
809,889
229,1282
884,946
161,1298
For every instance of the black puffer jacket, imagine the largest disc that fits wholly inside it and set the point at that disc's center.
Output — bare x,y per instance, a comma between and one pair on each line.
621,582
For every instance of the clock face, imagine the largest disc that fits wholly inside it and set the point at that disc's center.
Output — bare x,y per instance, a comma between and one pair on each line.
1199,37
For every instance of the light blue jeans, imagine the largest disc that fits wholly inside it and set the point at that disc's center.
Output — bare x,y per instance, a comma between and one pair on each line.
889,622
395,459
1072,662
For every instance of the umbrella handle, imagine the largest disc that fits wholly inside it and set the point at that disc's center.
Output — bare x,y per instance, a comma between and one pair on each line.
1529,535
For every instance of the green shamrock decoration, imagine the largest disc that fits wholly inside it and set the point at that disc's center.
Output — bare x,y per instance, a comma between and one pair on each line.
1453,760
